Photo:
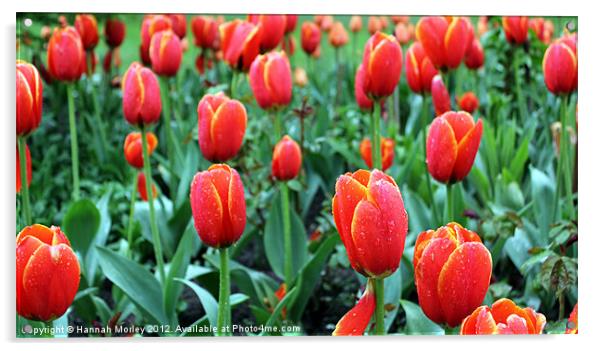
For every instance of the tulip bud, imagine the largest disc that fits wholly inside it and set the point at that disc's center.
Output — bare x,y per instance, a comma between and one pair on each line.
468,102
150,25
286,160
560,68
88,64
324,22
475,56
444,42
440,95
387,152
374,25
360,97
132,147
452,144
516,29
240,43
47,273
222,125
88,30
65,54
419,69
402,33
141,95
205,32
355,24
300,77
165,53
112,59
384,23
504,317
288,45
114,32
338,35
382,62
29,98
371,220
291,23
310,37
178,24
27,167
355,322
217,198
452,269
142,187
271,30
572,326
271,81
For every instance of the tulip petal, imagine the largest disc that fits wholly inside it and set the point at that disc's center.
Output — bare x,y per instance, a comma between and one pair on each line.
441,150
514,325
228,129
431,33
456,42
207,208
502,309
355,322
467,151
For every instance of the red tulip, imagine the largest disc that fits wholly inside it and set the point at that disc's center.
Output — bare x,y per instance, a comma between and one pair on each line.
271,30
387,151
150,25
205,32
132,147
360,97
65,54
141,95
374,25
178,24
222,125
419,69
310,37
355,24
504,317
142,187
338,35
452,144
445,42
440,95
324,22
371,220
452,269
165,53
217,198
516,29
88,64
271,81
286,159
468,102
240,43
475,56
543,29
403,33
112,59
573,322
47,273
29,98
560,67
114,32
355,322
291,23
288,45
28,168
88,30
382,62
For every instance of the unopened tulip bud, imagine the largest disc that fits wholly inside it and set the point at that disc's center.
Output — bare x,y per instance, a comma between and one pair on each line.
286,159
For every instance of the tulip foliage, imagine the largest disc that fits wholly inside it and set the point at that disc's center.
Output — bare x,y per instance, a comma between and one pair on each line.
282,174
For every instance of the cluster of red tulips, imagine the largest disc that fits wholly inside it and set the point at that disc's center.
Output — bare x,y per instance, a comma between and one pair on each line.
452,266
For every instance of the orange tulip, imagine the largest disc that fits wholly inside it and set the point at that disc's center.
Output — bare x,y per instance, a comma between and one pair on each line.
371,220
271,81
441,99
65,54
560,67
47,273
338,35
88,30
572,326
114,32
271,30
475,56
400,19
355,322
452,269
132,147
205,32
29,90
165,53
178,24
355,24
516,29
444,42
468,102
504,317
222,125
291,23
387,151
286,159
28,167
384,23
151,24
240,43
452,144
419,69
141,95
310,37
217,198
382,62
374,25
142,187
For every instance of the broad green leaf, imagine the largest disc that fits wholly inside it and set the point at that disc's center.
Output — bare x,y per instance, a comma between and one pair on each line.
542,193
177,269
209,303
417,323
80,224
101,236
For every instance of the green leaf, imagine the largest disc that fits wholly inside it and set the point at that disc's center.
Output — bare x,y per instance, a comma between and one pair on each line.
207,300
80,224
521,155
392,296
101,236
177,269
542,193
558,273
135,281
277,310
417,323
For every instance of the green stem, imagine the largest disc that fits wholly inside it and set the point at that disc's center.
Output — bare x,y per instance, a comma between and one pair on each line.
130,231
24,185
277,127
561,306
376,157
169,135
233,84
288,246
379,315
97,113
567,167
450,202
429,185
74,152
518,88
223,312
338,79
151,204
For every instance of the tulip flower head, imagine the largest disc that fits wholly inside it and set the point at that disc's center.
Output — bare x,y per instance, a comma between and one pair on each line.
572,325
218,205
362,100
560,67
444,42
271,30
355,322
543,29
205,32
371,220
419,69
300,77
65,54
468,102
382,63
141,95
452,143
337,36
441,100
355,24
142,187
516,29
475,56
165,53
27,167
291,23
29,98
271,80
403,33
114,32
310,37
150,25
504,317
387,151
452,269
286,159
87,28
222,125
240,43
178,24
132,148
47,273
374,25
